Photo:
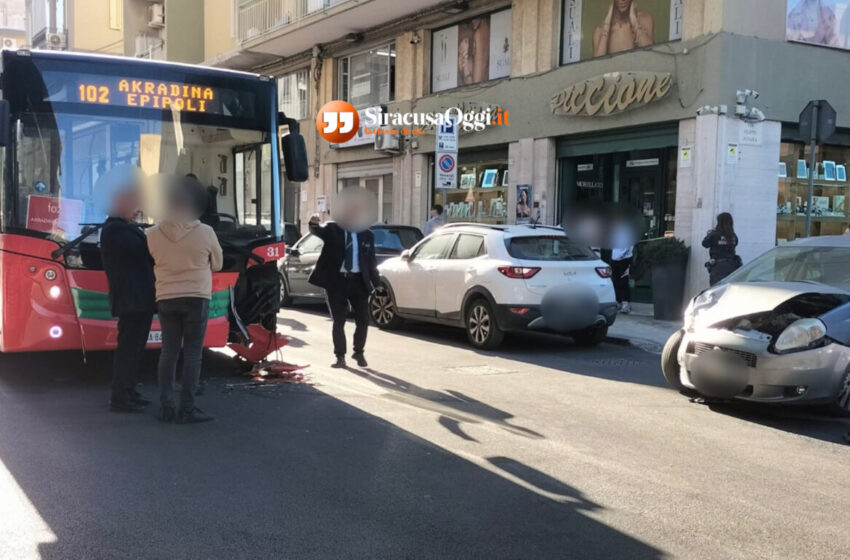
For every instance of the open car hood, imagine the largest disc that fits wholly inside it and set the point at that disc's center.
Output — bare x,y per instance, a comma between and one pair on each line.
743,299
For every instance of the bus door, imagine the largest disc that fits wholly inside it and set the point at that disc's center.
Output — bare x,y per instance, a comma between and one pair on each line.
253,185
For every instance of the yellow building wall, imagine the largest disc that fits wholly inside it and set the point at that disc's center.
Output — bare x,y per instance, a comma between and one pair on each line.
97,26
218,28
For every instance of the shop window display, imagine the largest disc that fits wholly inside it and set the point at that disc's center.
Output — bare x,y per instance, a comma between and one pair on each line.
830,214
482,196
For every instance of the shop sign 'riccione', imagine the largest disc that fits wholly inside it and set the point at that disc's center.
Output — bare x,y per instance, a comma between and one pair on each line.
612,93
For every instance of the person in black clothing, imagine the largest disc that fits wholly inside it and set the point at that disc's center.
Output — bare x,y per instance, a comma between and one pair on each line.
348,271
721,243
129,273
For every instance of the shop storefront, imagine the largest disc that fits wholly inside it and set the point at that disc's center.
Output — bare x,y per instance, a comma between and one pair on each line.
376,176
636,169
482,193
830,206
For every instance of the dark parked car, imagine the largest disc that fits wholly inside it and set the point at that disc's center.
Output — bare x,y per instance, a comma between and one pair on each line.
300,259
291,235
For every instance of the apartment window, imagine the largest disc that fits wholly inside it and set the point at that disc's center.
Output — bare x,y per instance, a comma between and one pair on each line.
368,78
293,94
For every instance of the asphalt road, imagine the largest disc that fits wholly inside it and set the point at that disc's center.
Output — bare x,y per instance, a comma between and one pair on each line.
540,450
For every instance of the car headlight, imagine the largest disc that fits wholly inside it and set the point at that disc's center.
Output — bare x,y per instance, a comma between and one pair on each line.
800,334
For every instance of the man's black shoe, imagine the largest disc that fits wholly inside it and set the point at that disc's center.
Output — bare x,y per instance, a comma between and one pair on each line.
339,363
196,416
167,414
125,406
360,359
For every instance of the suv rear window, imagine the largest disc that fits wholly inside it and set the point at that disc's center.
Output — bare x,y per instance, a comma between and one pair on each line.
396,239
548,248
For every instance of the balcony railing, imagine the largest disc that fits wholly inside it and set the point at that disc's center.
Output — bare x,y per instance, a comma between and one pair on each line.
259,17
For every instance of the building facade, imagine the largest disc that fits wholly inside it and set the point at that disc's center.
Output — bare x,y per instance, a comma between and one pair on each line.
642,110
651,104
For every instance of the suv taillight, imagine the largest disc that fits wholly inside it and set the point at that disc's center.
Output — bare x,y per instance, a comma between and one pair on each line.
524,272
604,271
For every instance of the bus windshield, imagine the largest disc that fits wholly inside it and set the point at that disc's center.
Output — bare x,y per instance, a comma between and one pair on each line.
71,127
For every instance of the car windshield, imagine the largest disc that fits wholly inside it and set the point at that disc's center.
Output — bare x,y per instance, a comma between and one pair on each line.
396,239
548,248
826,265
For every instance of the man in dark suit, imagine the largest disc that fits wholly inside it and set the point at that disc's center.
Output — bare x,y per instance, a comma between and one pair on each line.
348,271
129,273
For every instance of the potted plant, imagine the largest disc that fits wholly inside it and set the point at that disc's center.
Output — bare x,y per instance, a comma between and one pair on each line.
666,259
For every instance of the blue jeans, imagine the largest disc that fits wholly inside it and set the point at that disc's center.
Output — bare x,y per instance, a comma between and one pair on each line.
184,324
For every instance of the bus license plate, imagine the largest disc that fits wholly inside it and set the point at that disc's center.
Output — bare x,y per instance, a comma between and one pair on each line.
155,337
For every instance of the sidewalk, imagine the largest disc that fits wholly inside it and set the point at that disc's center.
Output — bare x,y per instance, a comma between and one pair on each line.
640,329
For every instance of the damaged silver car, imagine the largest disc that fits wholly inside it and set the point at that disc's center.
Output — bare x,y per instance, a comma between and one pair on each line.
776,331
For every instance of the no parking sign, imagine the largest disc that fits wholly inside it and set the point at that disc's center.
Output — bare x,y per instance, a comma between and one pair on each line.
446,171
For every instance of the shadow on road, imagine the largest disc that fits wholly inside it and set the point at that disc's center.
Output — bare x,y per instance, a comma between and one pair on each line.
302,475
454,407
810,422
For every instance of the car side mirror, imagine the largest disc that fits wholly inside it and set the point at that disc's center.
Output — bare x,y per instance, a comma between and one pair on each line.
406,255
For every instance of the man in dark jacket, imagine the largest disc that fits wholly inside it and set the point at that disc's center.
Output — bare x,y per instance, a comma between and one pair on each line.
348,271
129,272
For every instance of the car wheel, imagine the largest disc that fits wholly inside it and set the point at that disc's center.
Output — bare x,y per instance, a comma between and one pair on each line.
841,406
481,327
382,310
670,364
592,336
285,295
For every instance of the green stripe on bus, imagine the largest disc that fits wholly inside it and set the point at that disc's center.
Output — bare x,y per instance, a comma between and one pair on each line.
95,305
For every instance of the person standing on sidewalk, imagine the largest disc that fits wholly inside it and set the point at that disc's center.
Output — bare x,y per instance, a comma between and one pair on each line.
436,221
721,243
129,274
348,271
186,253
621,262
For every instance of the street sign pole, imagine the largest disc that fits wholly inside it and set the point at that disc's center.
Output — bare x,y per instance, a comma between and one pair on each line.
817,123
812,167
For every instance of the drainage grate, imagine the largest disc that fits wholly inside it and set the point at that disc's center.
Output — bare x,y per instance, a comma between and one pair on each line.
481,370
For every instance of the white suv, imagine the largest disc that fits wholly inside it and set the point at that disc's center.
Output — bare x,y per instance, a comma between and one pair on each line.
493,279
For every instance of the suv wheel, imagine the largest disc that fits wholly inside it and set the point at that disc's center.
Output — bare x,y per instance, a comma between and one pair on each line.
591,336
382,310
481,327
285,296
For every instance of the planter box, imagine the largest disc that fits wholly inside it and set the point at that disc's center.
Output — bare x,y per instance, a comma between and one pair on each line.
668,289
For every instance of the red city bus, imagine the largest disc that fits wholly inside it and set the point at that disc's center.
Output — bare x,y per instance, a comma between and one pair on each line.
65,120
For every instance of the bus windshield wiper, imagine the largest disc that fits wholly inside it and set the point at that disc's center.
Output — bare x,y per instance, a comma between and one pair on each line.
87,230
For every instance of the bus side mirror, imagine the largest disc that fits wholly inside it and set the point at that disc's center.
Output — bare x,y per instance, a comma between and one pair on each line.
5,124
294,157
294,150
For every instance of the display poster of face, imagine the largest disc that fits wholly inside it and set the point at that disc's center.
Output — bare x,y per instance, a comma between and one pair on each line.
594,28
444,59
500,45
819,22
523,204
474,51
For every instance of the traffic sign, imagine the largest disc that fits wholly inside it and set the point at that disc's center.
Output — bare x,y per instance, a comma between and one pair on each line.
446,171
825,125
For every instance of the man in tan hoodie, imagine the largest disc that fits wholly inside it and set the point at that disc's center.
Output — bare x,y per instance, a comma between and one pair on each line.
186,253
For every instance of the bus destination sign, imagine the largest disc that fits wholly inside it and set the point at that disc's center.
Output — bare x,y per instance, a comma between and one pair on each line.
149,94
